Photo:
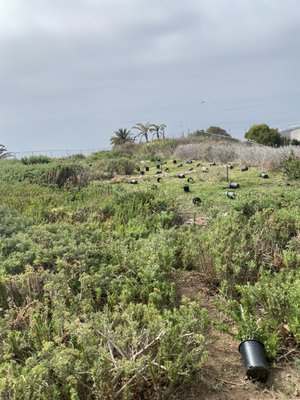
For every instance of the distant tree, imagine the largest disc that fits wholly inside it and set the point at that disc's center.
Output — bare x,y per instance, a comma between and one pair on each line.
295,142
216,130
3,152
162,130
121,136
263,134
158,130
144,130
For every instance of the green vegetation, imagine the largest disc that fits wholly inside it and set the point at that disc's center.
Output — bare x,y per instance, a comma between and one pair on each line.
121,136
36,160
216,130
3,152
263,134
89,308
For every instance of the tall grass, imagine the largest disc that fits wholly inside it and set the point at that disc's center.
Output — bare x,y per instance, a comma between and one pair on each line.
255,155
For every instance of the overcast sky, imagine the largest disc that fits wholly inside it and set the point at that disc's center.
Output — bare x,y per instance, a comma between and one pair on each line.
74,71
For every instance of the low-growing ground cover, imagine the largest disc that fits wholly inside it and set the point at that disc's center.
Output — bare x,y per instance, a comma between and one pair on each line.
90,304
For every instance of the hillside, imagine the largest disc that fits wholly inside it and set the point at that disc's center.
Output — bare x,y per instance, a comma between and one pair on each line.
134,274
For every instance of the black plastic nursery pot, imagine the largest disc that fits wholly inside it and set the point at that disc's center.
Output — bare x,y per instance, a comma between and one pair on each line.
233,185
146,169
254,358
196,201
186,188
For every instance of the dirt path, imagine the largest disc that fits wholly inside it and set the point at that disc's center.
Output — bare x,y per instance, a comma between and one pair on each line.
223,376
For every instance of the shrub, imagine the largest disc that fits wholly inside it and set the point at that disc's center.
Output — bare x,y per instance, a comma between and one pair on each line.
125,353
269,311
291,167
66,174
36,160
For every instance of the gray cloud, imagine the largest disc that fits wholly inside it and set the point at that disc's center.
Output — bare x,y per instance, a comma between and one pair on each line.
72,71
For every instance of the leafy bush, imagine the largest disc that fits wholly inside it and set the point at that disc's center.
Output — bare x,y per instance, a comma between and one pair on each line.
247,243
291,167
66,174
36,160
125,353
117,166
269,311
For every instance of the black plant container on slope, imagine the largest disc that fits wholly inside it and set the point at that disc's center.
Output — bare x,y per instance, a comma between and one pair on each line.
254,358
233,185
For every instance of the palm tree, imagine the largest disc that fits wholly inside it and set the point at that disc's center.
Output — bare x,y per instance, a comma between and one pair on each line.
122,135
162,130
144,130
3,152
158,129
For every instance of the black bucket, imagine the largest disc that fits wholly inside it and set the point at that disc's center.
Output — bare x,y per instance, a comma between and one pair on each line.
254,358
233,185
196,201
147,169
142,172
174,162
190,180
158,166
186,188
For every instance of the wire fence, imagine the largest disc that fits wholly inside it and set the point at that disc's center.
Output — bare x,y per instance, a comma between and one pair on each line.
57,153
